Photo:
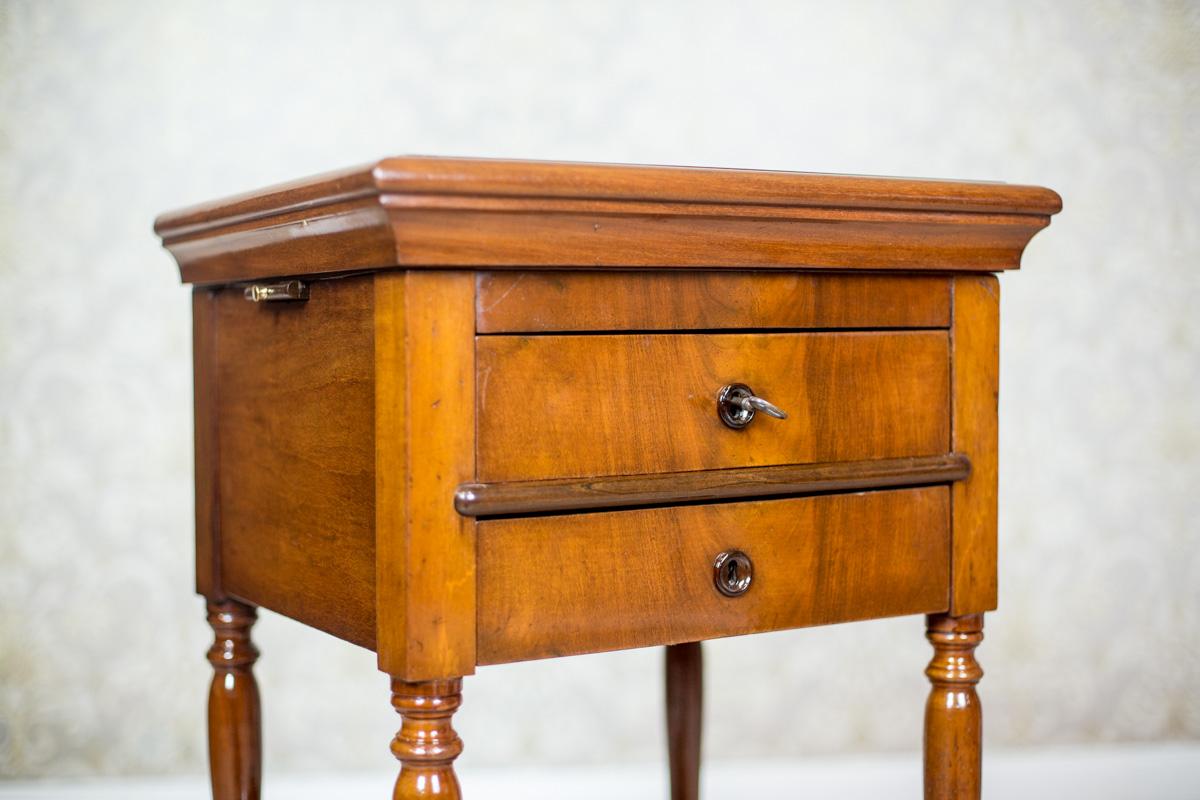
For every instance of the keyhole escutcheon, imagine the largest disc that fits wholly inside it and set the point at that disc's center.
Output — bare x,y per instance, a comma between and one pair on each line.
732,573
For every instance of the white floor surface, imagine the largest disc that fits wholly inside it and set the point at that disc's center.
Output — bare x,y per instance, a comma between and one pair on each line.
1151,772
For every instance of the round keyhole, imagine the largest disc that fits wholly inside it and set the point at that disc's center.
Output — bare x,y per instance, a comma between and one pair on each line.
732,573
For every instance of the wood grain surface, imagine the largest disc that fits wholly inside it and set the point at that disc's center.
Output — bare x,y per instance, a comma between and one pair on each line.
975,344
424,434
297,455
235,751
426,744
482,177
338,238
583,406
644,577
431,212
560,233
204,393
542,302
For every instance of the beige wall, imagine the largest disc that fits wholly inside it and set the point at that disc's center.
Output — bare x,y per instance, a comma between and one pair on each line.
113,111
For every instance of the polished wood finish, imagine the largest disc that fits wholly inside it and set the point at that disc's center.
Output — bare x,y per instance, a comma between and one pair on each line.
338,238
425,433
635,578
207,473
535,497
975,342
953,718
546,302
487,177
685,704
547,407
490,433
234,715
296,452
423,212
536,232
426,744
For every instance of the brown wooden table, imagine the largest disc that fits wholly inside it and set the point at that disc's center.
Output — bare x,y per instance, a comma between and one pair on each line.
467,412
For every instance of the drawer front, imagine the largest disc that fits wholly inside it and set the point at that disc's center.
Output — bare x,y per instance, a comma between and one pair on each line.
582,406
544,302
553,586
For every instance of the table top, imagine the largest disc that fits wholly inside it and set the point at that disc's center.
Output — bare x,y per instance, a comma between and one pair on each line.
415,211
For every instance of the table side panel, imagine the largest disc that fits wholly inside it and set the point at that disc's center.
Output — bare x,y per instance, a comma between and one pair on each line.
563,585
204,390
297,455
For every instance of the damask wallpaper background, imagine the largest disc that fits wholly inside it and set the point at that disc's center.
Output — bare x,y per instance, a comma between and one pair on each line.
113,111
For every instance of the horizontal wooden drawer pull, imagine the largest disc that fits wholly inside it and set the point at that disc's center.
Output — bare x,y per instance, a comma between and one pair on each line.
532,497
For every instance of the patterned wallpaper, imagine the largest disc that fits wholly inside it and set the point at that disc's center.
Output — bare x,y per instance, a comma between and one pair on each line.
111,112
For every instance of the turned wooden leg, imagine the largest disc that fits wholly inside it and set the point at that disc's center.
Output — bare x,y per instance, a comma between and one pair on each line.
685,694
234,716
426,743
953,717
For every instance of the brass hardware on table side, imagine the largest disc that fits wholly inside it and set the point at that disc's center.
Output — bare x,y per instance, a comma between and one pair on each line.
276,292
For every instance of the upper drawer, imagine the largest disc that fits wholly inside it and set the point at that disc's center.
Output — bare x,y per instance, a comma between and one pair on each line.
581,406
545,302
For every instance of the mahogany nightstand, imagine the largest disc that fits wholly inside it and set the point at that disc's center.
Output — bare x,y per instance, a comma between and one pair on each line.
467,412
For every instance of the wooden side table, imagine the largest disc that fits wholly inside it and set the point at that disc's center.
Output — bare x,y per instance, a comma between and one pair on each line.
467,412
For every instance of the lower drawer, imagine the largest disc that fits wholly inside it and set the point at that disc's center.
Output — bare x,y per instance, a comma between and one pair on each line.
583,583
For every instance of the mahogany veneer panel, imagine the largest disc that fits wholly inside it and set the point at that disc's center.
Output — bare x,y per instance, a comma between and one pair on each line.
572,406
204,381
537,302
296,453
624,579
